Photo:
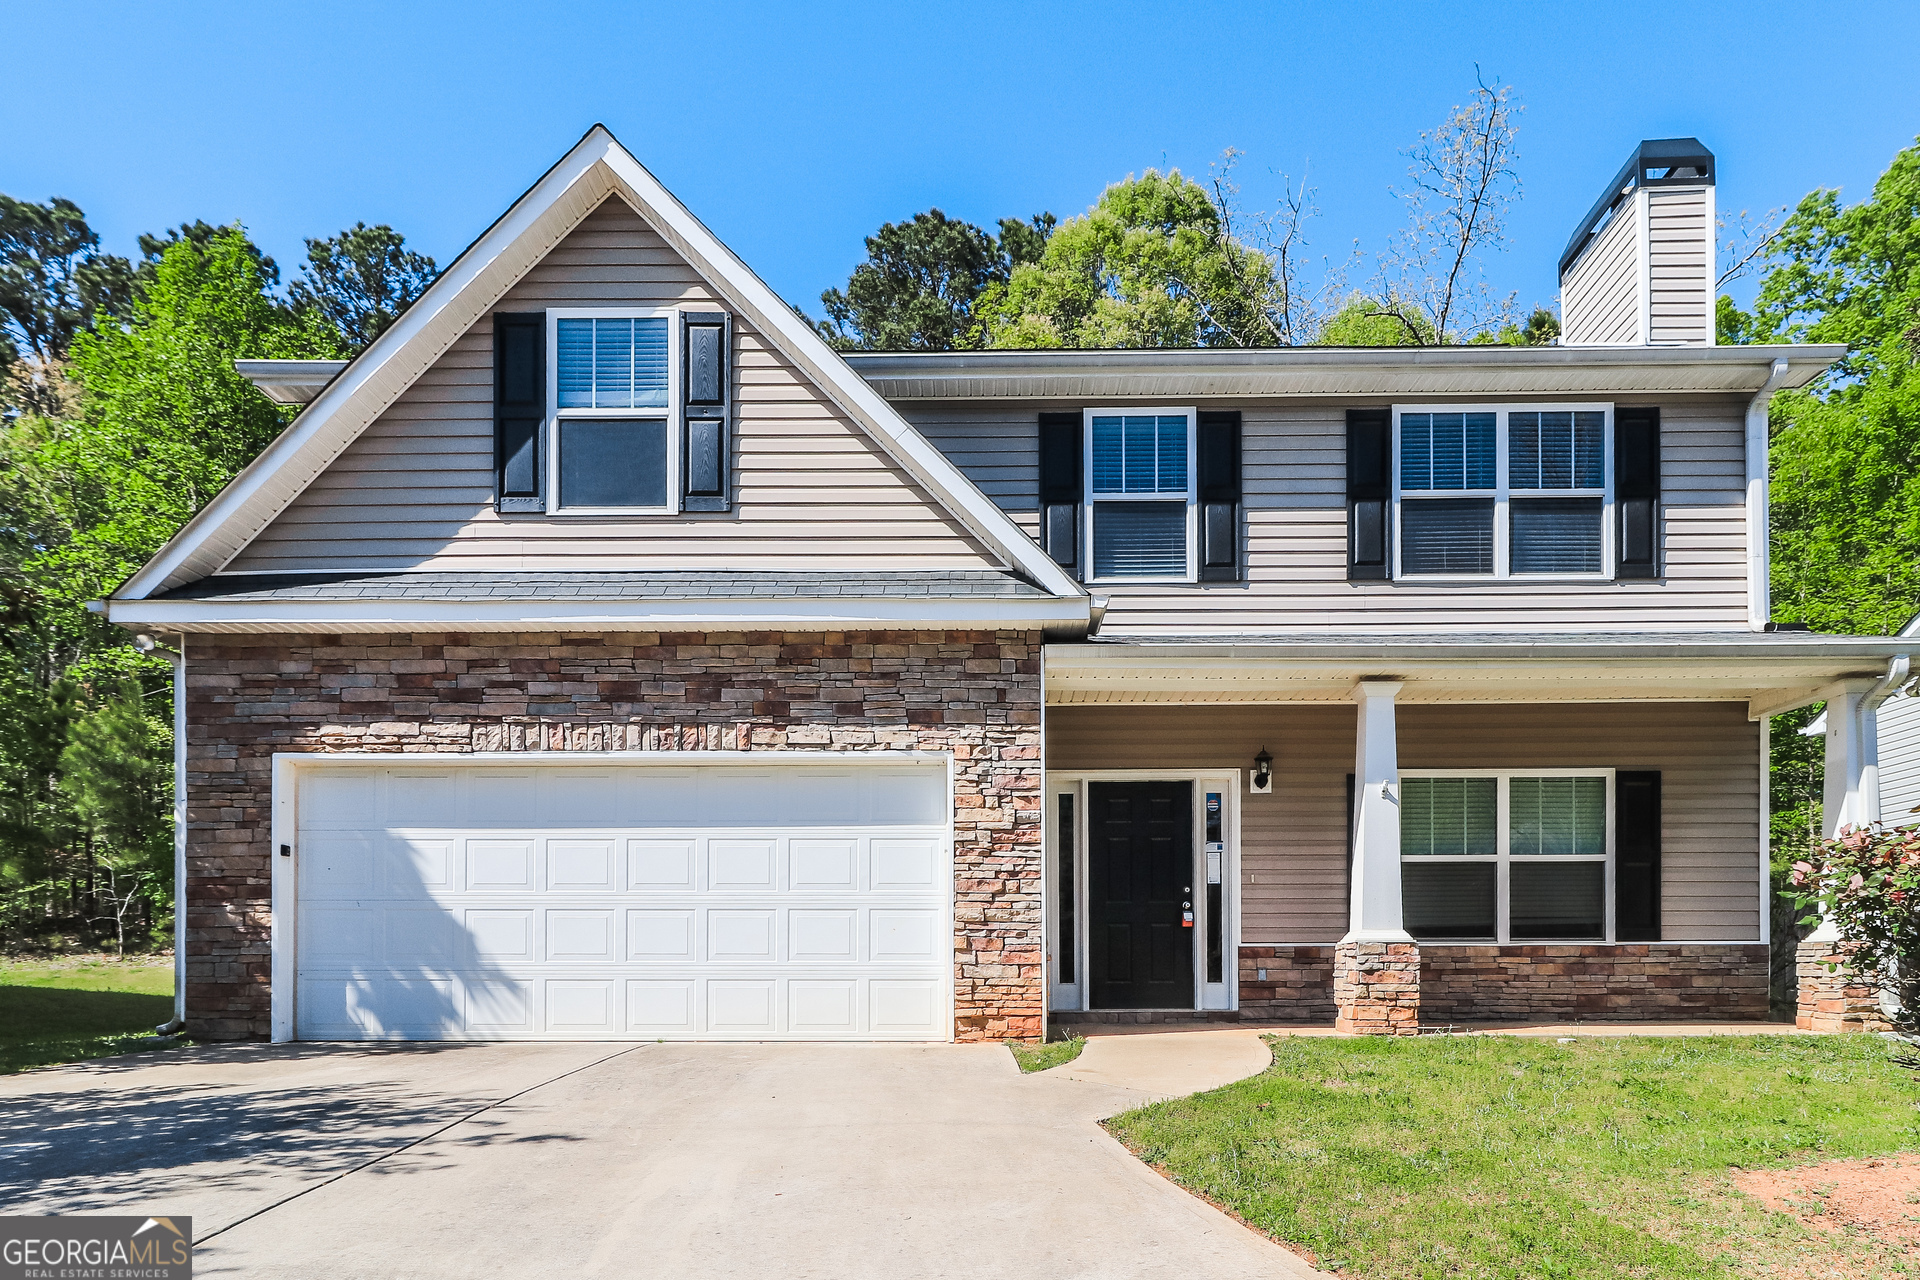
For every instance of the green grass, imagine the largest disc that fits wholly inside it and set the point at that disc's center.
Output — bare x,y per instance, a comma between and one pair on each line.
68,1010
1038,1057
1503,1157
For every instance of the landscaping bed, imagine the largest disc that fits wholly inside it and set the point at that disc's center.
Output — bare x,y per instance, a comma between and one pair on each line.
78,1007
1499,1156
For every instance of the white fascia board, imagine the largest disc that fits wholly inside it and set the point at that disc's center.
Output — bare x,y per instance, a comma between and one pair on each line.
596,167
797,613
374,379
828,371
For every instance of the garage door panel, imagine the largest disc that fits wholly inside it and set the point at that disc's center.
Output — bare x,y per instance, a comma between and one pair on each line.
416,862
741,865
339,864
823,866
741,1007
663,1007
580,937
662,936
823,936
660,864
580,864
499,866
698,903
906,865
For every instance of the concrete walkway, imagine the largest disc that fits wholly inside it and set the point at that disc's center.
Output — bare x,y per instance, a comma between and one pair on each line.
801,1160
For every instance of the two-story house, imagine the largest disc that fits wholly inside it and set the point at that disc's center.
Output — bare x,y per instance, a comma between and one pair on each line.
599,654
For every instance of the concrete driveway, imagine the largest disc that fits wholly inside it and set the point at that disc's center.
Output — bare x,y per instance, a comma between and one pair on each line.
664,1160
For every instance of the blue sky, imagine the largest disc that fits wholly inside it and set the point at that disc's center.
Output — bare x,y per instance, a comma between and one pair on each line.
795,132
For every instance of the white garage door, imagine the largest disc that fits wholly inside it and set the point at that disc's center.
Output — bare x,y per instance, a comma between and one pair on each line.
589,901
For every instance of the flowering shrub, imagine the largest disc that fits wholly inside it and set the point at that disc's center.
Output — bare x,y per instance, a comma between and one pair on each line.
1867,881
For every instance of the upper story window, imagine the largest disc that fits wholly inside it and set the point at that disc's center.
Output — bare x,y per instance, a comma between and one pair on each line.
1503,492
1140,493
612,442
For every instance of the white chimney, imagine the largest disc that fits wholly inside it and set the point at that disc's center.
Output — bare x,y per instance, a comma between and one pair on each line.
1640,270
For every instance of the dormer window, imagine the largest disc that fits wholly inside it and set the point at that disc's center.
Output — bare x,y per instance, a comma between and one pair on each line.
613,447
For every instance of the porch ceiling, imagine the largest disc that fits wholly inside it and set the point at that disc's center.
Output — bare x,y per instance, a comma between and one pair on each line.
1771,673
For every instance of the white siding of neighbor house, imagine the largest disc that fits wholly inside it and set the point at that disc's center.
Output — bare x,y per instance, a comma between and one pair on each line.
1899,736
1293,842
1679,264
1600,295
415,490
1294,485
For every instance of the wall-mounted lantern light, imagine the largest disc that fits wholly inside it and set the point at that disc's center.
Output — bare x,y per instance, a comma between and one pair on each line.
1262,780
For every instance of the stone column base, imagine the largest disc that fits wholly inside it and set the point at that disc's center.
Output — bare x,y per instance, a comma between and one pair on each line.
1376,988
1834,999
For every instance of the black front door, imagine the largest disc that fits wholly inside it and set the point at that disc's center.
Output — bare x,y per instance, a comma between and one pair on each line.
1139,891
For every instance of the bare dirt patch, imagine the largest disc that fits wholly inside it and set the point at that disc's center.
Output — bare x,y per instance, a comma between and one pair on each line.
1878,1195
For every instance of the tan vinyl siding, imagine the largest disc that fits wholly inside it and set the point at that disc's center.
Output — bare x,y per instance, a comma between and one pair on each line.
1294,469
1600,297
1679,257
415,490
1293,842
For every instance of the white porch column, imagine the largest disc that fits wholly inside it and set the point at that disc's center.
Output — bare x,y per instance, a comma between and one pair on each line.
1851,797
1374,912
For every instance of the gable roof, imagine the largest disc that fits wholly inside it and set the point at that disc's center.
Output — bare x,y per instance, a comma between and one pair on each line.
597,167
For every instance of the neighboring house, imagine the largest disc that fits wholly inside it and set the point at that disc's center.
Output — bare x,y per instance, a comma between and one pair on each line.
601,655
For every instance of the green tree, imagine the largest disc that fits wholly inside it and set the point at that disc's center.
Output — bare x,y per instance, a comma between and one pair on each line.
919,285
115,767
1366,322
360,281
54,281
1152,264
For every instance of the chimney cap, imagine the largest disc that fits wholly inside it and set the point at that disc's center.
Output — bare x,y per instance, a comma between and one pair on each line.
1656,162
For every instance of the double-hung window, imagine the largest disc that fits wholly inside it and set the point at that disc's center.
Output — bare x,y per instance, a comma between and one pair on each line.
1140,493
1521,856
1503,493
613,445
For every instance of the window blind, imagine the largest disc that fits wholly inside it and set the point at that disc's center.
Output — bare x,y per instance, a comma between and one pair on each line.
1558,901
1554,535
1140,454
1448,816
1447,451
1447,535
1556,451
618,363
1557,816
1140,539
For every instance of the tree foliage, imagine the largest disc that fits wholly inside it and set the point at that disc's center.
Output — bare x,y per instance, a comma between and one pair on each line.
1150,265
54,282
359,281
922,279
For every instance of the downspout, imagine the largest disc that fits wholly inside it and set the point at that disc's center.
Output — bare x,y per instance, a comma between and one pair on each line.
1898,669
178,658
1759,594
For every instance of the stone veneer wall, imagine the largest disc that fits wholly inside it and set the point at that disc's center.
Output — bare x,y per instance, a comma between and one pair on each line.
975,694
1832,996
1298,986
1625,982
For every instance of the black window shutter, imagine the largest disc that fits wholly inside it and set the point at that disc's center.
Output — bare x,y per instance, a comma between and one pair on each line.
519,409
1060,487
1369,493
1636,492
706,394
1219,475
1636,856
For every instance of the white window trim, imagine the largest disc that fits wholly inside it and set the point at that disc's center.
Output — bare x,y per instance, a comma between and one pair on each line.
1075,997
1501,494
671,413
1504,858
1089,498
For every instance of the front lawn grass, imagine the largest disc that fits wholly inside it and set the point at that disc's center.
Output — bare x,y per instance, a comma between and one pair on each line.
67,1010
1039,1057
1496,1156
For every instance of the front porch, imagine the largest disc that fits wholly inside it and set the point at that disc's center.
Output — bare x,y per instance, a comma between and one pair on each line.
1446,838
